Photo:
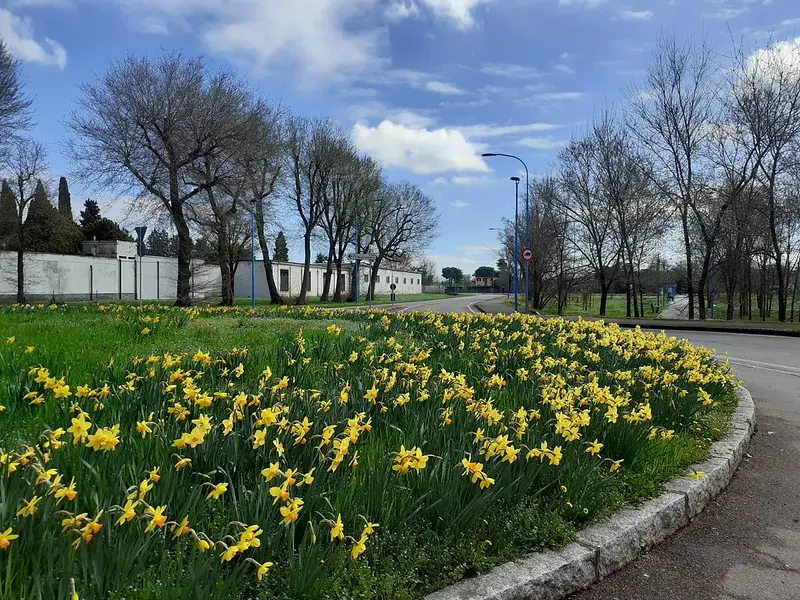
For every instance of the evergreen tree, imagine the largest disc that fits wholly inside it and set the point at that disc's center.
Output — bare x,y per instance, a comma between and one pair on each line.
8,217
64,199
157,243
47,230
90,213
106,230
281,249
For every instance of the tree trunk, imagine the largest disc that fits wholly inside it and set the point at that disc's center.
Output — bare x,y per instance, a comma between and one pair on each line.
326,284
337,292
373,277
225,273
274,295
20,267
688,246
794,289
303,297
604,287
183,295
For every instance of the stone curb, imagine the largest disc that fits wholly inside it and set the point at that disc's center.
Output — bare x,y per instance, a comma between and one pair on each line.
609,545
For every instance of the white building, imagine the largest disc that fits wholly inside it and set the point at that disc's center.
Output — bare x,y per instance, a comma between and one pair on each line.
289,277
113,271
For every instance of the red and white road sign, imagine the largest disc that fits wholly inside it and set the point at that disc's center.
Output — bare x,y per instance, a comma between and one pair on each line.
527,254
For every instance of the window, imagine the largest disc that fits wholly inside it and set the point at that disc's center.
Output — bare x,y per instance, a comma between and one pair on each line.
308,281
387,279
366,278
284,277
404,280
397,280
417,280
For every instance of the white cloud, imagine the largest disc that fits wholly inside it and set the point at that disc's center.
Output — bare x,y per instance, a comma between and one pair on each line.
775,63
18,36
636,15
459,12
419,150
726,13
440,87
319,39
510,70
440,181
559,96
543,143
482,131
402,10
586,3
562,68
467,180
459,204
789,22
55,3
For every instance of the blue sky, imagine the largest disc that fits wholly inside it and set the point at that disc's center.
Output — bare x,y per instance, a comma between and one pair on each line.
424,85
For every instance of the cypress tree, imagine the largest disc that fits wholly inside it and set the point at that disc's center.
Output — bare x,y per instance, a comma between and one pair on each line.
90,213
64,199
47,230
281,249
9,217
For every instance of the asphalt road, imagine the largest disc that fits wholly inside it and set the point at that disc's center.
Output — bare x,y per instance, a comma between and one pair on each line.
451,304
746,544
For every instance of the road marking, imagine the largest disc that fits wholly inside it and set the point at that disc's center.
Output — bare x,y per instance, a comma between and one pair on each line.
762,366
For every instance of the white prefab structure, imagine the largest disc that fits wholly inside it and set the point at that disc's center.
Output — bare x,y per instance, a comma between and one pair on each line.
102,277
289,277
112,271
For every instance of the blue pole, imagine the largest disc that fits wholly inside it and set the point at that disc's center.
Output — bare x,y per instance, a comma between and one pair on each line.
516,247
527,235
355,268
253,256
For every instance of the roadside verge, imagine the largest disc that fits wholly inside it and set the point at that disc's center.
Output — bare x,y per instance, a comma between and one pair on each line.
609,545
751,327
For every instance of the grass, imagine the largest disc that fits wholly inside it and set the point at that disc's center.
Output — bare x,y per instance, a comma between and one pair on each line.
302,418
379,299
615,306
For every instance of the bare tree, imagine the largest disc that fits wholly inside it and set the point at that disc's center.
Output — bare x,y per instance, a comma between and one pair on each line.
591,210
14,105
261,169
767,94
354,182
403,222
25,165
147,123
671,117
311,156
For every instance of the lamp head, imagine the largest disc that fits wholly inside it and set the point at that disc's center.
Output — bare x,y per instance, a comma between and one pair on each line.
487,154
515,179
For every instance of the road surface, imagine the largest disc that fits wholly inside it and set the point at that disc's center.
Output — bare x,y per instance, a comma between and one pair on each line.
746,544
451,304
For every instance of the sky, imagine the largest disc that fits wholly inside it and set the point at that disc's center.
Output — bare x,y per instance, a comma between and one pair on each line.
425,86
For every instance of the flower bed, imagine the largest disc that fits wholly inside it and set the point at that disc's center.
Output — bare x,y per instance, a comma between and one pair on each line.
364,455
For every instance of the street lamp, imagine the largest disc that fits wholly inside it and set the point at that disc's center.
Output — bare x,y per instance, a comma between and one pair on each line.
516,243
527,217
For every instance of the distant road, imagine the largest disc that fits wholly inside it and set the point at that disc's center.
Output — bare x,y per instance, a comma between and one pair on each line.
451,304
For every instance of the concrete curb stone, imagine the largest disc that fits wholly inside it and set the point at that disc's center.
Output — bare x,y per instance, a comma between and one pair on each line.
609,545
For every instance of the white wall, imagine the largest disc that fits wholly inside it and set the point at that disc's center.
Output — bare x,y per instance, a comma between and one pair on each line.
68,277
406,282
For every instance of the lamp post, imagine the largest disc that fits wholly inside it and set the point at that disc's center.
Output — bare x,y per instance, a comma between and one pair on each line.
516,243
252,253
527,216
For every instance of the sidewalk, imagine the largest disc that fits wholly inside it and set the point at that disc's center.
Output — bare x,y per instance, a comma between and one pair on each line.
678,309
755,327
